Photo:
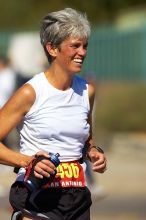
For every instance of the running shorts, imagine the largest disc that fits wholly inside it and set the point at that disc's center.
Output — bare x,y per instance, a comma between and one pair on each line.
59,204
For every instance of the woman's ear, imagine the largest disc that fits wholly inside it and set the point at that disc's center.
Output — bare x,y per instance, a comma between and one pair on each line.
51,50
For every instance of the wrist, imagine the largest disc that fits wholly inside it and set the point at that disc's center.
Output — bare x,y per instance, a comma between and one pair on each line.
25,160
97,148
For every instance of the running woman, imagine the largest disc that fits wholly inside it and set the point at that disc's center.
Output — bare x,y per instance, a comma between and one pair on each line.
54,114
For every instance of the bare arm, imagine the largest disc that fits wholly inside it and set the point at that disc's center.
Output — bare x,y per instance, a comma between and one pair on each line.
97,158
10,115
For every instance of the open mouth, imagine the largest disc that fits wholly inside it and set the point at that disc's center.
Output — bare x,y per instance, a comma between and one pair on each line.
78,60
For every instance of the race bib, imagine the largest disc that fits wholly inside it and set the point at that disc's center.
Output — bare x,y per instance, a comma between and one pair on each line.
69,174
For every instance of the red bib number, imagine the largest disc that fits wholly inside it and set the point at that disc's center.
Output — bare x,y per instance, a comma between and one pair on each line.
69,174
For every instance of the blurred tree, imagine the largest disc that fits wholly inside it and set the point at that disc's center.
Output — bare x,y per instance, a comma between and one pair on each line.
26,14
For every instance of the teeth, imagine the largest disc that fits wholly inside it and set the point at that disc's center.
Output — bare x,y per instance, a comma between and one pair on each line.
78,60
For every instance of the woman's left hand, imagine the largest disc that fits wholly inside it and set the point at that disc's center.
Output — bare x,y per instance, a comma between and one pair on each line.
99,162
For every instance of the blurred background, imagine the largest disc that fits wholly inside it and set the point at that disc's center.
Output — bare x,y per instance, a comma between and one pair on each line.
116,64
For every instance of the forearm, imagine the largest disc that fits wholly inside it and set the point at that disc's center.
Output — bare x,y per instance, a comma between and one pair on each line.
13,158
91,146
88,146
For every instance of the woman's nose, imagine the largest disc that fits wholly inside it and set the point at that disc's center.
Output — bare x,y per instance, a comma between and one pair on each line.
82,51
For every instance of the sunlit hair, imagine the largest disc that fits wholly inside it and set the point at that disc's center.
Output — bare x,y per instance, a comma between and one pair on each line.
58,26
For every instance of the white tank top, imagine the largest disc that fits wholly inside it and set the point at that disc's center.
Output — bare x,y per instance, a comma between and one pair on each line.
57,121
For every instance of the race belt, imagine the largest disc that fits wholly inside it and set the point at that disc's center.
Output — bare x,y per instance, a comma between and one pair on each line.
69,174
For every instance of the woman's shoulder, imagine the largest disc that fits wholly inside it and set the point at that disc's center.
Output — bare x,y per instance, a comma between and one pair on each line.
29,90
36,82
27,94
36,78
91,89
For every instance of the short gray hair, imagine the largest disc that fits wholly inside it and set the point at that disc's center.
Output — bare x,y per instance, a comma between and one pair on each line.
58,26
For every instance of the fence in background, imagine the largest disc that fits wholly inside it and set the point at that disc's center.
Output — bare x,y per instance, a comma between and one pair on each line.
5,38
117,55
113,54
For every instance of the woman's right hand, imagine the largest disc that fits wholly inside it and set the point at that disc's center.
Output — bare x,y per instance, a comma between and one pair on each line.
44,168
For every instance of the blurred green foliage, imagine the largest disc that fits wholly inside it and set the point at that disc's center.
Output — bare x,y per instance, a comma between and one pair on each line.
121,107
26,14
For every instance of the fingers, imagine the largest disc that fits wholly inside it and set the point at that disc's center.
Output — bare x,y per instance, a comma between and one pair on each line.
99,162
99,168
38,175
44,168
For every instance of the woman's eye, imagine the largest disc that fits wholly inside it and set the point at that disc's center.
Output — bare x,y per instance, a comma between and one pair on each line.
85,46
75,45
78,45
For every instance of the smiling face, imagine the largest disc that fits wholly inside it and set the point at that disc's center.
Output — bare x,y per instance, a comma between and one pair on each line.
71,54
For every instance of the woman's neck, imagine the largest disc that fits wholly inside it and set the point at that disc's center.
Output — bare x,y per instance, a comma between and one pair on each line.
59,79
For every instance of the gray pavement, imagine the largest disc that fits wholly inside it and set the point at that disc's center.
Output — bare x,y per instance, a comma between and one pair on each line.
124,182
